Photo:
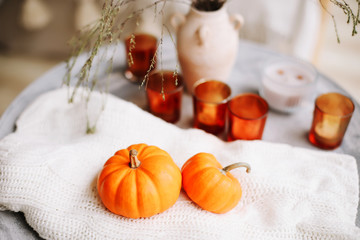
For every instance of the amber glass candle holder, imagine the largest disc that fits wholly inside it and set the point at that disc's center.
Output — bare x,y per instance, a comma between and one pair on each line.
140,51
209,100
247,116
332,115
164,94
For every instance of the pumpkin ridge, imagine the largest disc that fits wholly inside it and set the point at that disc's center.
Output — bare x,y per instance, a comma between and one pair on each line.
123,153
210,186
149,153
206,158
108,173
224,207
140,148
193,174
118,160
174,180
165,161
105,182
119,163
204,162
210,191
140,210
120,189
130,191
135,186
235,195
150,177
193,178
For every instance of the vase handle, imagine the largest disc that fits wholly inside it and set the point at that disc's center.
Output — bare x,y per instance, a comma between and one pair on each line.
202,33
176,20
238,21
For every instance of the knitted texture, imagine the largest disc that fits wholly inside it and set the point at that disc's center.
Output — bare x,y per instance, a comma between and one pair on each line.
49,168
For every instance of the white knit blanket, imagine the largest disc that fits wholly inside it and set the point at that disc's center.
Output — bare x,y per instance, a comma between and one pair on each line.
48,171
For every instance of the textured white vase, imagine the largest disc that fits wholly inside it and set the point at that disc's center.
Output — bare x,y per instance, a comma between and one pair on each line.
207,43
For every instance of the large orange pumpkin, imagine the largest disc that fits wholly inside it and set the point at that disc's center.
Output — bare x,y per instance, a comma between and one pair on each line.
210,185
139,181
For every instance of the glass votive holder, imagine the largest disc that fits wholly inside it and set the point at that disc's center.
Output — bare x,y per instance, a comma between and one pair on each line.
209,103
247,116
332,115
164,93
287,83
140,51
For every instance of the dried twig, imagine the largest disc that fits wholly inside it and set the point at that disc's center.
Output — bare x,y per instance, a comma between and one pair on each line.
110,27
352,15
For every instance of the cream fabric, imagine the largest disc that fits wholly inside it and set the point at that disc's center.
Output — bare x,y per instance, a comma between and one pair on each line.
48,170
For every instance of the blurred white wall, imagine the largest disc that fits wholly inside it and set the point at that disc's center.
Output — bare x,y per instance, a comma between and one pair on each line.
287,26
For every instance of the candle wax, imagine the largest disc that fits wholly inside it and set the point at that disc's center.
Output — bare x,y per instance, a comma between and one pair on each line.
285,85
328,128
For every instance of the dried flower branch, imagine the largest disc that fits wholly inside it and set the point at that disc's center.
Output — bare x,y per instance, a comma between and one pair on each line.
112,24
353,16
131,47
107,30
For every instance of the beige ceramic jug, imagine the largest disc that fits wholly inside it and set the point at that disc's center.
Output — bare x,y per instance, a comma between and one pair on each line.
207,43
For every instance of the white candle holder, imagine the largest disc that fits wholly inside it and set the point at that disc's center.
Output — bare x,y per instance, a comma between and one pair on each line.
287,83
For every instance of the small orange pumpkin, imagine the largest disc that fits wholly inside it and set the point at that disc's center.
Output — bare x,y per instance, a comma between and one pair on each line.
210,185
139,181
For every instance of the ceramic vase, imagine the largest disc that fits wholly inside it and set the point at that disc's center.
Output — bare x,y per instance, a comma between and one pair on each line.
207,43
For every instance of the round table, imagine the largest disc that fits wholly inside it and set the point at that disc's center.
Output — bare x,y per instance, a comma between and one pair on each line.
281,128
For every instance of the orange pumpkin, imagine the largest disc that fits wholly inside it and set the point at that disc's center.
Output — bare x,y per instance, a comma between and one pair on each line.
210,185
139,181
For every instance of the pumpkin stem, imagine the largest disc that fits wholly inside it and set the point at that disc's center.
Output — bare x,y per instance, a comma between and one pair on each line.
236,165
134,161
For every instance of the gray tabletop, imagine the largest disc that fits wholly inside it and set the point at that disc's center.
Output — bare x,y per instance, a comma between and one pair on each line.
281,128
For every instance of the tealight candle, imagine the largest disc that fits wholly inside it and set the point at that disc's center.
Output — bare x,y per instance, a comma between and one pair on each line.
209,100
287,83
140,51
247,117
164,94
332,115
